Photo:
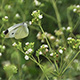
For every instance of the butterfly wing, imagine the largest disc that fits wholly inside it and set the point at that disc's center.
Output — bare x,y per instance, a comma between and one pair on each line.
22,32
11,34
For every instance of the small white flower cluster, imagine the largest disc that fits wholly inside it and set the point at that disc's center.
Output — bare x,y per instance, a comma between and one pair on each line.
46,46
26,57
43,46
3,47
69,38
9,6
28,51
51,54
0,54
17,15
27,43
68,28
76,61
37,3
42,38
60,51
63,28
76,7
14,44
58,32
39,16
40,53
34,12
6,17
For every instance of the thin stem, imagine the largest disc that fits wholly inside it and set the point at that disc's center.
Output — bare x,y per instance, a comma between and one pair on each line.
51,17
45,37
71,62
56,65
76,25
58,20
69,17
34,60
57,14
61,62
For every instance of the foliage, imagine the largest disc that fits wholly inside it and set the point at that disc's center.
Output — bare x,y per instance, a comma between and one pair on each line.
51,51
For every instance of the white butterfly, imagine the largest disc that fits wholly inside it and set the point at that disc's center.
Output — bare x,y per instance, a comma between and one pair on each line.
17,31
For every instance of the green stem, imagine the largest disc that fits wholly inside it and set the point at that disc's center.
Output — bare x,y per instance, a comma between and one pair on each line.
34,60
56,65
69,17
57,14
76,25
51,17
61,62
45,37
59,21
71,62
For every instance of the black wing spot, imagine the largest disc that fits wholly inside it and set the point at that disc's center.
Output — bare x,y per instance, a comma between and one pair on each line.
5,32
12,33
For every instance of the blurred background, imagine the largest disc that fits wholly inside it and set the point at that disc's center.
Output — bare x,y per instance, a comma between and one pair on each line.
18,11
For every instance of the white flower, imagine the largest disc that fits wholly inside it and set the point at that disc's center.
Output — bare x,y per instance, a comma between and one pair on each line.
74,10
57,45
61,51
30,50
48,35
77,6
45,33
63,28
9,6
68,28
46,46
46,50
52,37
40,53
40,16
3,47
69,38
57,40
27,43
75,61
0,54
23,65
39,34
51,54
17,15
26,57
79,47
67,57
30,22
34,12
42,40
37,3
26,52
6,17
14,44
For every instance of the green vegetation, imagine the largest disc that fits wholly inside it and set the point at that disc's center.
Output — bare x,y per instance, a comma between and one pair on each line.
51,50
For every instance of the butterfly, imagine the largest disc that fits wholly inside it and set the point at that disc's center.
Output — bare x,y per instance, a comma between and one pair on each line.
17,31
